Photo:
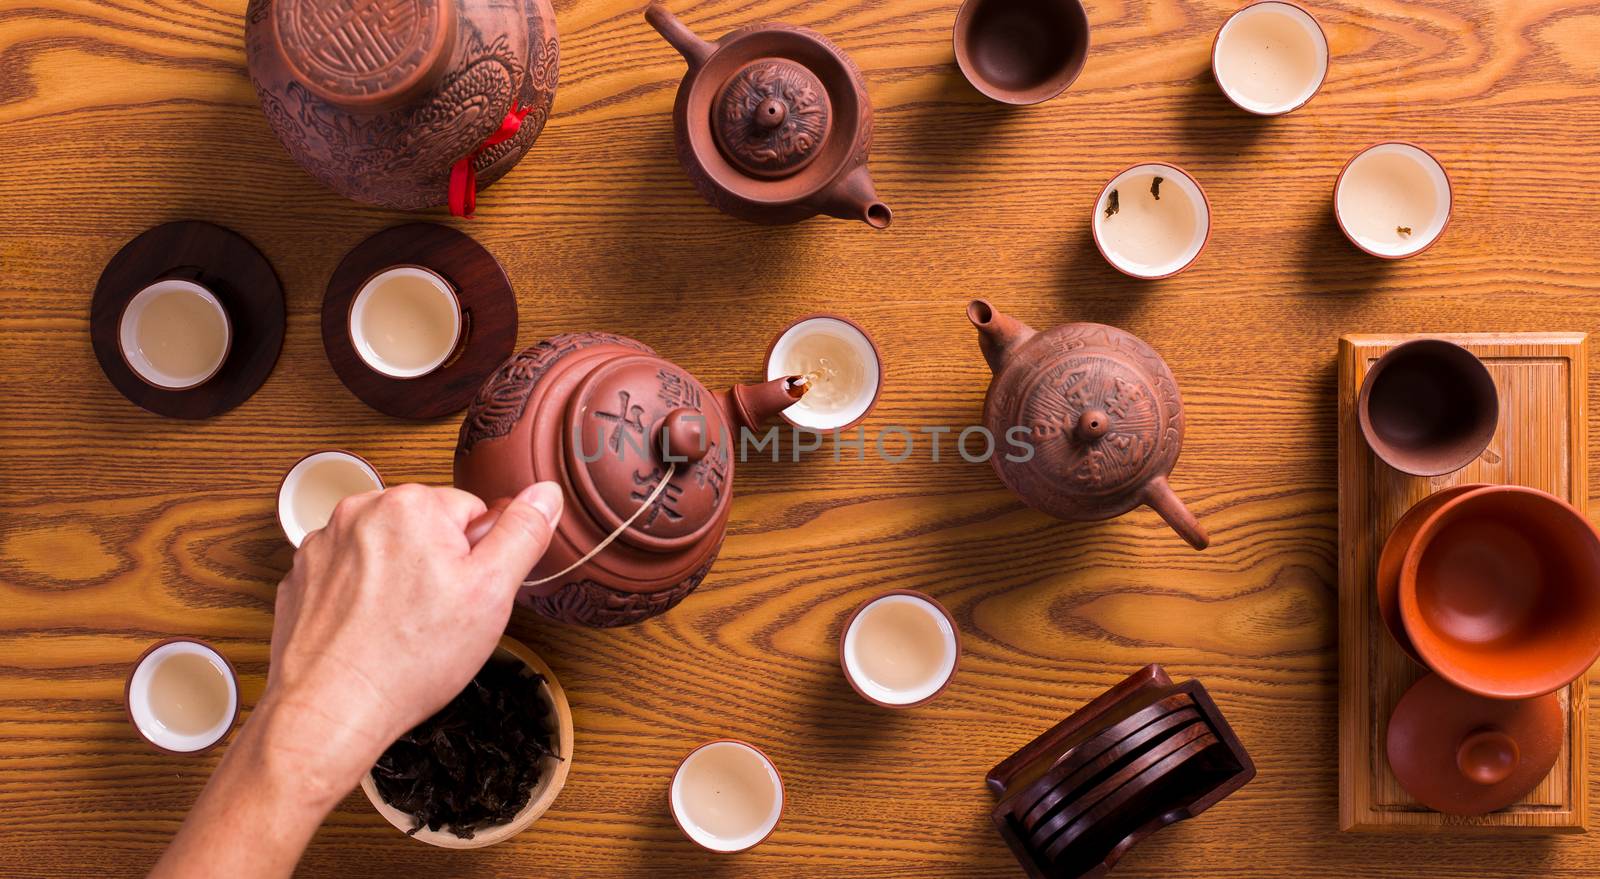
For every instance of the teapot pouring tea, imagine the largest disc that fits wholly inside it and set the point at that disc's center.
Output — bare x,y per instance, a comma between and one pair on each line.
1101,410
644,454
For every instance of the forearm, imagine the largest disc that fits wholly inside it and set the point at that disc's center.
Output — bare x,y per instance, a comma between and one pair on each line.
258,811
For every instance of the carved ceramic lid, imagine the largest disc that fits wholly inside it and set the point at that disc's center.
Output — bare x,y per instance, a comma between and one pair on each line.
1101,411
772,117
623,409
365,53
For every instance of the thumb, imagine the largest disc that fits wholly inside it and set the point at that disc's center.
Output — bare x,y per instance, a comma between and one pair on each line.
520,536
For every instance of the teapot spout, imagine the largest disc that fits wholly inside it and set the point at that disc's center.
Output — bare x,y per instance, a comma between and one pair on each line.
689,44
751,405
998,334
852,197
1161,498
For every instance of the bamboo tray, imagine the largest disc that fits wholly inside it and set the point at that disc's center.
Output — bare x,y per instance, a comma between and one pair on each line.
1541,442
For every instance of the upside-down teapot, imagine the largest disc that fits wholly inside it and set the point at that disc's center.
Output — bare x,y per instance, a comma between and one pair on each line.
1101,411
644,454
773,123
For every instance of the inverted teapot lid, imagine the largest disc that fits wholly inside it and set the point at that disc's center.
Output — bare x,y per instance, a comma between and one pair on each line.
365,55
622,410
772,117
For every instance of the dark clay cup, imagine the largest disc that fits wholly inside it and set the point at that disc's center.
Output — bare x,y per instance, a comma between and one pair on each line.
1428,407
1021,51
1500,592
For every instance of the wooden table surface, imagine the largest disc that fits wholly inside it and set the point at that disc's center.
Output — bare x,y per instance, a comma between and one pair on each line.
119,528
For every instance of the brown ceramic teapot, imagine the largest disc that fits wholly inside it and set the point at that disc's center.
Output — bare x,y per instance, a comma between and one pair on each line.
607,418
773,124
1101,411
404,103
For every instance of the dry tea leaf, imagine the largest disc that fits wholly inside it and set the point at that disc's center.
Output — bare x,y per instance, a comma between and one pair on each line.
1155,187
1111,204
1403,231
475,763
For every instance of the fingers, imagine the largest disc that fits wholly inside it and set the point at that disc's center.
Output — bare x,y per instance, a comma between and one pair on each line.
460,506
520,536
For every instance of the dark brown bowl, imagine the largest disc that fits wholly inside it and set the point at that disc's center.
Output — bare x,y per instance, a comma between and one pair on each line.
1428,407
1500,592
1021,51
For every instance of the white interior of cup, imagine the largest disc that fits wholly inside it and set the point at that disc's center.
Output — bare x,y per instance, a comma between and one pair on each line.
405,317
1388,187
834,414
855,646
144,715
761,771
146,362
292,506
1173,257
1309,72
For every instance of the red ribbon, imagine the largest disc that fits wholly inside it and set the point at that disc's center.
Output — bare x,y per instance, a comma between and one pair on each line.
463,180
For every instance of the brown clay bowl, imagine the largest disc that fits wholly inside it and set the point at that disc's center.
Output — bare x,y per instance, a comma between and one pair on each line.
1428,407
1075,758
1198,733
1500,592
1159,796
544,793
1021,51
1394,552
1462,754
1092,770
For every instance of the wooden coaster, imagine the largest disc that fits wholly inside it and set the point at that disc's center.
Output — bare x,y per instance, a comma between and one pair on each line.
222,261
488,319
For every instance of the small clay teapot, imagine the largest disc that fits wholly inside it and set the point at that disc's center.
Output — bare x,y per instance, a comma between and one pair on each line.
606,417
404,103
1101,411
773,124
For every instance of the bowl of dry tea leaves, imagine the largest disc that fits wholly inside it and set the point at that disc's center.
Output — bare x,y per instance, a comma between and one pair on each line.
487,765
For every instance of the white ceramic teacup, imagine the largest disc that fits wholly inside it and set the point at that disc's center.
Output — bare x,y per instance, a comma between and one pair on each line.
153,703
316,484
405,321
174,334
900,649
848,368
1270,58
727,796
1152,221
1393,200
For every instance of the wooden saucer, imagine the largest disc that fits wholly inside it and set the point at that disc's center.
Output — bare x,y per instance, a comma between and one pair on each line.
1110,762
488,319
222,261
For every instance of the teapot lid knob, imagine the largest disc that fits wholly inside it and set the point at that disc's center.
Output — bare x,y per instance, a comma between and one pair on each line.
772,117
1487,756
683,435
1092,425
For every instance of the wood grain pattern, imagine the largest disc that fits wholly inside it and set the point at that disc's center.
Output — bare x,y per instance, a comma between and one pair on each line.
1540,442
118,528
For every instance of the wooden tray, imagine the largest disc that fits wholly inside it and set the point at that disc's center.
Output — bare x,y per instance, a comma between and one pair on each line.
1541,442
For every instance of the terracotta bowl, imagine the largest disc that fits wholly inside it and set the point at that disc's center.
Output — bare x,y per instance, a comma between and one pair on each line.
1428,407
1021,51
544,793
1394,555
1500,592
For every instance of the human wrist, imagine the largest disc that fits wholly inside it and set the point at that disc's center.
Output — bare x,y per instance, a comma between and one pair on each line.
319,757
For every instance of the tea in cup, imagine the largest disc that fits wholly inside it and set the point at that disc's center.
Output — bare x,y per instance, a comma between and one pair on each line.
405,321
1393,200
315,485
900,649
841,367
182,696
174,334
727,796
1270,58
1151,221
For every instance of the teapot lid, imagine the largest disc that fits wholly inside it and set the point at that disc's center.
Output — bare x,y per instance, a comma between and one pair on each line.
365,56
625,422
772,117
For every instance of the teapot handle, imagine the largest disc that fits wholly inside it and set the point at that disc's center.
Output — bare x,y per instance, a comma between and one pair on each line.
1161,498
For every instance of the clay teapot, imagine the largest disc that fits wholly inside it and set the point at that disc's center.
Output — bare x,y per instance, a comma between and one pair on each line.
404,103
773,123
607,418
1100,409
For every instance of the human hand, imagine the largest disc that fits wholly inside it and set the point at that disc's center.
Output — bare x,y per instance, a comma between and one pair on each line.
386,615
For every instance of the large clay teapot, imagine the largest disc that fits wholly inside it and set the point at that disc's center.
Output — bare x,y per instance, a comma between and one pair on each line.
404,103
1101,410
606,417
773,123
